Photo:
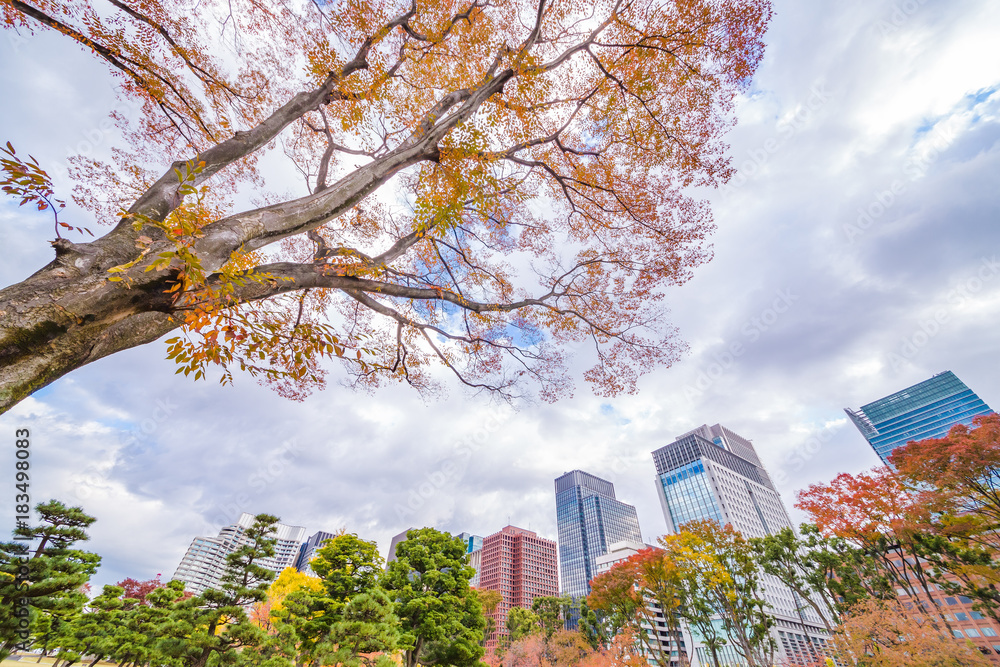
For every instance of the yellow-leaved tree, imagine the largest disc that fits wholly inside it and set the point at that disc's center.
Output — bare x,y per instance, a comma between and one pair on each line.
288,581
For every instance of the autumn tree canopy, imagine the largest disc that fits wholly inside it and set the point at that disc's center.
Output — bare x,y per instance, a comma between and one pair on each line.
963,470
485,185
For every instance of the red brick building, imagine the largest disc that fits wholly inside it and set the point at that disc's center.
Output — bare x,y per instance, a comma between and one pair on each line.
521,566
965,622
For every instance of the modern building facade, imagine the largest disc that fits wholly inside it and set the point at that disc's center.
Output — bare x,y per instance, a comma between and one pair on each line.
204,563
713,473
928,409
308,551
474,548
589,518
521,566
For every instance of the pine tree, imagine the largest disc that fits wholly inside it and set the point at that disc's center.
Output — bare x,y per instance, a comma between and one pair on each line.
53,569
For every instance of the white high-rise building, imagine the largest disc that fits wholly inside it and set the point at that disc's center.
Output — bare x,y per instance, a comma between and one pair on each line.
713,473
204,563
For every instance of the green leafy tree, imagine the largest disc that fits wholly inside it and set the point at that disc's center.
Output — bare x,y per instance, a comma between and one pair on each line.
441,618
94,632
739,598
522,623
347,566
828,574
552,613
594,627
51,631
365,633
149,632
349,618
41,633
55,570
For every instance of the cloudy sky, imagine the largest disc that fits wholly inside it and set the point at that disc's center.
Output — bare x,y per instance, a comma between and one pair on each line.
856,254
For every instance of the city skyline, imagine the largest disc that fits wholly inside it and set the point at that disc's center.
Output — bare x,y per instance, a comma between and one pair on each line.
854,255
682,461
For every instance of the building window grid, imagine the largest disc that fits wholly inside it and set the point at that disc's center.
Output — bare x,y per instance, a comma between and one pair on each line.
940,386
689,496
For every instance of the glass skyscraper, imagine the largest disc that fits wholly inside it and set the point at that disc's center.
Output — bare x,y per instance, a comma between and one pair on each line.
472,542
712,473
590,519
308,551
926,410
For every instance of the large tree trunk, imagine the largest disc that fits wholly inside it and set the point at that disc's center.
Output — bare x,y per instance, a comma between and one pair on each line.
69,314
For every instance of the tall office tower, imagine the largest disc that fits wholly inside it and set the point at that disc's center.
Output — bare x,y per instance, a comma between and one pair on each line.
521,566
308,551
928,409
474,548
589,518
713,473
204,563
